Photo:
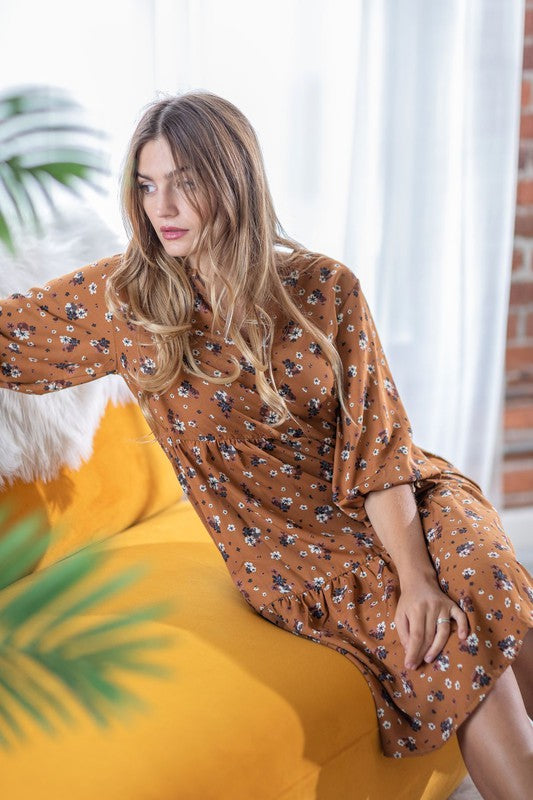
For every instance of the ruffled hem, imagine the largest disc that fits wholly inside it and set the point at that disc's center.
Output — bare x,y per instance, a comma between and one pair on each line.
298,597
404,732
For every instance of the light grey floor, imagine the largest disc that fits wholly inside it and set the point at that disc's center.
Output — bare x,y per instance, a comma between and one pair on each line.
466,791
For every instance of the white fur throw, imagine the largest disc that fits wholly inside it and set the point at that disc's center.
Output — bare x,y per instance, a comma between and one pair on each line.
39,434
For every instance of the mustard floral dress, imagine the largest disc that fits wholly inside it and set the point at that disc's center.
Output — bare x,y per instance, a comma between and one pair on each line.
285,506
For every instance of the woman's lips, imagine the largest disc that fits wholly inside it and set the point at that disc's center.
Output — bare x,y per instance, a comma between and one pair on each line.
173,234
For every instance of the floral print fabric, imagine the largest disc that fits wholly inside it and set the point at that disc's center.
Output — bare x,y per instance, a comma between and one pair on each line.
285,506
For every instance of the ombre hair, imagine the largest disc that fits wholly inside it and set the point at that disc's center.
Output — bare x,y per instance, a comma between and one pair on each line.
239,233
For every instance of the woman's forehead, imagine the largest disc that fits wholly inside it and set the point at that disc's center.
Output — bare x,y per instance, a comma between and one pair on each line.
168,175
159,150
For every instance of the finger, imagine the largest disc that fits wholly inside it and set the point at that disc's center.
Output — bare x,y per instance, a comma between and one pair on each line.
416,639
442,633
432,631
462,621
425,640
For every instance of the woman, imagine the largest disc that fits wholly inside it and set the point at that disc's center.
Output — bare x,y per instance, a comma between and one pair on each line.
259,369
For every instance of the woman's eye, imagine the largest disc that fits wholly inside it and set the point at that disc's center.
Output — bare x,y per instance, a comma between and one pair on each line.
144,187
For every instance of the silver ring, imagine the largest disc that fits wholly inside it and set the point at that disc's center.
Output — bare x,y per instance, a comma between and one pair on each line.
442,619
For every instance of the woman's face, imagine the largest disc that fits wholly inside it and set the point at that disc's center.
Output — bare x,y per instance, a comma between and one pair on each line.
165,200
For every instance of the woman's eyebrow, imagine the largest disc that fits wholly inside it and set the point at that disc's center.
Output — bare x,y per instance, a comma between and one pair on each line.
168,175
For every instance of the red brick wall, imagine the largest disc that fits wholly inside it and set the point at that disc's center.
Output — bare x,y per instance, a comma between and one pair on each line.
518,417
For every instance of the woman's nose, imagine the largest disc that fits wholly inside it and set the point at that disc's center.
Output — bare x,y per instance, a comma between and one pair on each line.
167,203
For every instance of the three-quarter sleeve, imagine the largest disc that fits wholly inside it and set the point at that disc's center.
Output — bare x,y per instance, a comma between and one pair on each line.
59,334
377,452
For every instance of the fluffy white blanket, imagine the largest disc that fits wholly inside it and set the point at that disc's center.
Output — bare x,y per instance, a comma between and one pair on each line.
39,434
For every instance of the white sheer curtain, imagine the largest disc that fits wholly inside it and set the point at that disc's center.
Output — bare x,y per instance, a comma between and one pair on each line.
390,135
432,229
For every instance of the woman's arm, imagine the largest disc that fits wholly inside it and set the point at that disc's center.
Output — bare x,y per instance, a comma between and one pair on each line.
59,334
374,450
394,516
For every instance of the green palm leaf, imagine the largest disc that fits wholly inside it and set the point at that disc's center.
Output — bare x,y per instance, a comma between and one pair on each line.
40,636
37,127
40,612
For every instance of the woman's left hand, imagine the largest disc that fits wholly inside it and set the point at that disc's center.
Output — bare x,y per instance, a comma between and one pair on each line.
420,605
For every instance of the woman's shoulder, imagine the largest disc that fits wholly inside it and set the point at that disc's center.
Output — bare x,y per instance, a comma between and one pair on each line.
111,262
319,285
310,271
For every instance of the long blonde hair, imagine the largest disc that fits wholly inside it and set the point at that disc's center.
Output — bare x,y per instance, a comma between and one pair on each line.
239,232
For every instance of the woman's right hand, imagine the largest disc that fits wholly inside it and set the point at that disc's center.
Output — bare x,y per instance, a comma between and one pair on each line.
420,605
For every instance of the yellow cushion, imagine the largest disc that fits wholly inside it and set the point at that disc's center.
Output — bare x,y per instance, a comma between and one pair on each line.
251,711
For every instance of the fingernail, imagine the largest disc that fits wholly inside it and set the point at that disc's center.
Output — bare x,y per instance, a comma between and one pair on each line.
427,659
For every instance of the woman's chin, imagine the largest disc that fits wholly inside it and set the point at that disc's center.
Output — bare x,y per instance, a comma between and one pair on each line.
175,248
